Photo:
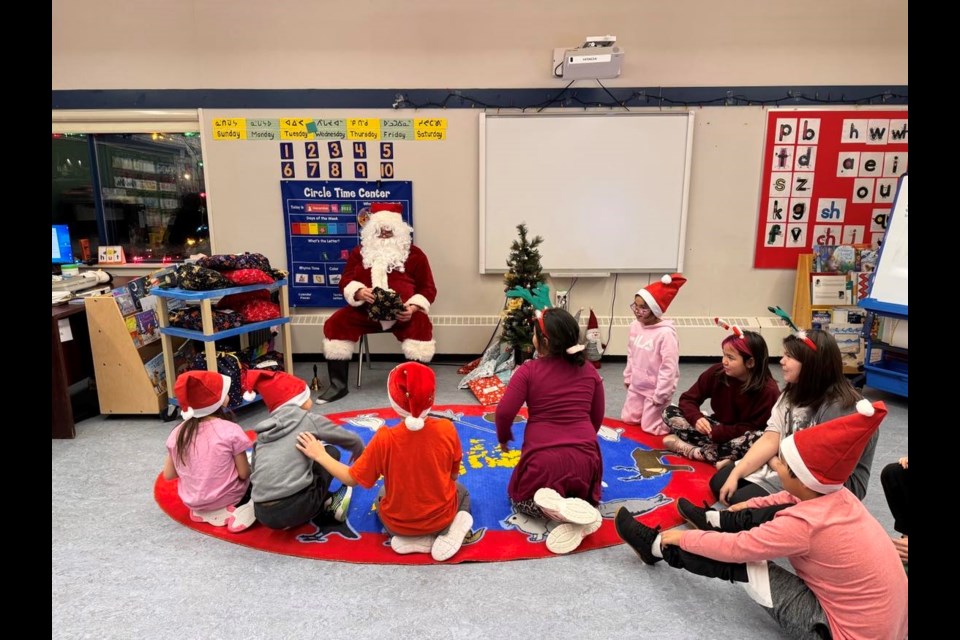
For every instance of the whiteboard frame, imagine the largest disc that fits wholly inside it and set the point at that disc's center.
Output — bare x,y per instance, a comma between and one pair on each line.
688,155
872,302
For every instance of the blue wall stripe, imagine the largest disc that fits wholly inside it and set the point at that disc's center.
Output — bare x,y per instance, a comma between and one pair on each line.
574,97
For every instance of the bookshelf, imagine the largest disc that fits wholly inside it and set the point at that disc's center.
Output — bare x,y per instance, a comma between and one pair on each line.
124,386
803,308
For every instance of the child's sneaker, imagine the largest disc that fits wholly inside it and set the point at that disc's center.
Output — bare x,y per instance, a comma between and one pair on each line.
339,503
241,517
216,517
567,537
572,510
697,516
447,545
412,544
639,536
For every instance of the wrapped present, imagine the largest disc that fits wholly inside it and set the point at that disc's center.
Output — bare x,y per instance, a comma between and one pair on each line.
488,390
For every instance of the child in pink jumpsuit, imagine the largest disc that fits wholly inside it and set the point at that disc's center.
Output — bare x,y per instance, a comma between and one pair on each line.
653,356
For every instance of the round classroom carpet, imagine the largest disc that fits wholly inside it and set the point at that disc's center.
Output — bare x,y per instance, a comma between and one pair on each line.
638,475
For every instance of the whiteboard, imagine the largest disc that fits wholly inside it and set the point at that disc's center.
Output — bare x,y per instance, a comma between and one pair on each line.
607,192
890,280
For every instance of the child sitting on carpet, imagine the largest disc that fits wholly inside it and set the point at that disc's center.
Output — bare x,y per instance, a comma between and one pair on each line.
815,390
421,504
653,356
848,583
288,489
209,454
560,470
741,392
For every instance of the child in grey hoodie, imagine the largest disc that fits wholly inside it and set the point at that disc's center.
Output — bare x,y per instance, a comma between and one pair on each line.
290,489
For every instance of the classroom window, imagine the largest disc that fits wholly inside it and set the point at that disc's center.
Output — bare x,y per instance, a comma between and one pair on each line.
142,191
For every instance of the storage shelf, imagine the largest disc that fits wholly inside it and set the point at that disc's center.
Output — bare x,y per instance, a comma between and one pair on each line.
192,334
209,339
177,293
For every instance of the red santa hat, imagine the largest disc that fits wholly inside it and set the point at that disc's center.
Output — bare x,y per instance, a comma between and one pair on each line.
200,393
278,388
412,387
823,456
659,295
388,214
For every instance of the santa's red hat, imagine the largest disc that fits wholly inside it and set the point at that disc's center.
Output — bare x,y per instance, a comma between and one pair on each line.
278,388
823,456
387,213
659,295
200,393
412,387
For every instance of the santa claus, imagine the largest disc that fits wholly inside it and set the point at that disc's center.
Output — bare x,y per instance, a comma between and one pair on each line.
388,286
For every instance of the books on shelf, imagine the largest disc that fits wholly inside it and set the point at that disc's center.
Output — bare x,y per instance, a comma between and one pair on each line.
830,289
157,373
124,300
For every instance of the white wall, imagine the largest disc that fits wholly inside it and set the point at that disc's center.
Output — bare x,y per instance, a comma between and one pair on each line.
332,44
178,44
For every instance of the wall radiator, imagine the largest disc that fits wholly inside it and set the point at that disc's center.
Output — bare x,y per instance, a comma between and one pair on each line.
699,336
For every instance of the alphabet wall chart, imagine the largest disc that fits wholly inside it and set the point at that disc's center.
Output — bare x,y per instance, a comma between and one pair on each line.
829,177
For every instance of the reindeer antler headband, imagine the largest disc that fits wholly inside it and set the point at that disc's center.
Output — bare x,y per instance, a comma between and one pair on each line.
797,331
738,339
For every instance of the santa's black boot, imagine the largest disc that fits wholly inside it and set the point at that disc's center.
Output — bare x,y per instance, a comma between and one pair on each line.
338,371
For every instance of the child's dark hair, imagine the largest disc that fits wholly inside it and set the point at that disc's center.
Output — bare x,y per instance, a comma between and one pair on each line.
188,433
751,345
821,372
563,332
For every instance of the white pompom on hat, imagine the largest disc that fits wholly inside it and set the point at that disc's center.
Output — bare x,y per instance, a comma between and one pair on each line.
412,388
823,456
659,295
278,388
200,393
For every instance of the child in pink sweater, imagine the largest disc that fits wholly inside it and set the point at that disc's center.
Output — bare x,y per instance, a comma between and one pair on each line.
849,582
653,356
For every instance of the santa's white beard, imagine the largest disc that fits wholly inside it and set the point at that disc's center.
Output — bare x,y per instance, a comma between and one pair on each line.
383,255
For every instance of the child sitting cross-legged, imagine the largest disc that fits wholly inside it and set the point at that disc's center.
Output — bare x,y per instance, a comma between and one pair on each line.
289,489
741,392
209,454
849,582
421,504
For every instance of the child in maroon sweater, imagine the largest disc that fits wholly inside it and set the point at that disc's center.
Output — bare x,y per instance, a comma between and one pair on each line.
741,391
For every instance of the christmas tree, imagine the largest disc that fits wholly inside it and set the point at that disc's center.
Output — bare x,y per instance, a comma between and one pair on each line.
525,286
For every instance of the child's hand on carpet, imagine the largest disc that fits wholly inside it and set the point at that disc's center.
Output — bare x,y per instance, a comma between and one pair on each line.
309,446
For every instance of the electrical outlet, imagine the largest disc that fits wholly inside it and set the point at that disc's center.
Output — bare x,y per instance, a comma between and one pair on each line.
562,299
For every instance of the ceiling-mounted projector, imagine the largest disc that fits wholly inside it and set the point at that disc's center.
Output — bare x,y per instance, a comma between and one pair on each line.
598,57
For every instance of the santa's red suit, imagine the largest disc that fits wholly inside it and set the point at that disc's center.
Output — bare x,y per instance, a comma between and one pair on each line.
412,281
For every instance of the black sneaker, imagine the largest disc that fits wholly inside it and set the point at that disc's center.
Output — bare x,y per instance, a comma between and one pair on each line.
696,516
639,536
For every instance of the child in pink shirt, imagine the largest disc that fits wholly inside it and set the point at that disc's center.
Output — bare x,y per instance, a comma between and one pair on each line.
849,582
209,454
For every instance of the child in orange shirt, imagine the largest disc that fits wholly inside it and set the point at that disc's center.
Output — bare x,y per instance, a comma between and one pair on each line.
421,504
